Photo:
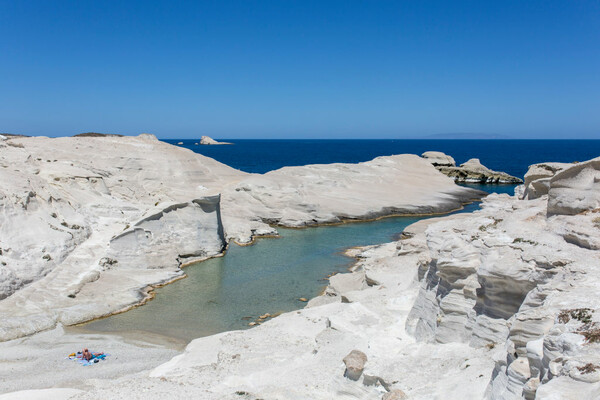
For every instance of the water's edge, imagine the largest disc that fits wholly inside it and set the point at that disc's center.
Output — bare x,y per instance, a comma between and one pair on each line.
228,292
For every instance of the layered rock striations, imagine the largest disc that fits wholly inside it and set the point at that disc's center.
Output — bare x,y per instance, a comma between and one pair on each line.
471,171
498,304
87,223
522,275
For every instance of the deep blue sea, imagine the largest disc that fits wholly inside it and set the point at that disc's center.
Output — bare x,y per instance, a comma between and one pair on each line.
511,156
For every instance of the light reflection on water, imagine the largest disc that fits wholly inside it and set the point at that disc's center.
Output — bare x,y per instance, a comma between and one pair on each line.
228,292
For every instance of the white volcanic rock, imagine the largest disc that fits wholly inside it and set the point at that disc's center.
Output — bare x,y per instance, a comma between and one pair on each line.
439,159
298,355
210,141
316,194
474,164
575,189
504,277
537,179
498,304
43,394
88,223
45,353
571,188
471,171
73,207
159,239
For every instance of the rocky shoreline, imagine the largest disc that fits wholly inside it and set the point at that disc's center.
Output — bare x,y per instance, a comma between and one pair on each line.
103,223
497,304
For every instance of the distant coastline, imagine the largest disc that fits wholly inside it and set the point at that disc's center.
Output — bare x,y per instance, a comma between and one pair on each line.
511,156
468,136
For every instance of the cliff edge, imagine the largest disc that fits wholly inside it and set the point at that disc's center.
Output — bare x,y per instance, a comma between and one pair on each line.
88,225
498,304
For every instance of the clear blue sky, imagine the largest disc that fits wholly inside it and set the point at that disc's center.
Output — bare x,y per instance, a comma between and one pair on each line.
295,69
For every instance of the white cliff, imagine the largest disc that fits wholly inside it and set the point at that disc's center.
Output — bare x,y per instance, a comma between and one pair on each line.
523,276
88,224
575,189
537,179
498,304
332,193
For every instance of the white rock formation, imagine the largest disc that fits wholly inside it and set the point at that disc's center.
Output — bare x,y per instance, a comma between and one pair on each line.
316,194
511,277
537,179
79,216
300,354
471,171
210,141
43,394
575,189
498,304
88,223
439,159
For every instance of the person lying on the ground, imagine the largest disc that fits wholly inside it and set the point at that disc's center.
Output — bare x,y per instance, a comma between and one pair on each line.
86,354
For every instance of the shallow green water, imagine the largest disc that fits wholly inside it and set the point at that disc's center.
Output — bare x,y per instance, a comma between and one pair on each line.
227,293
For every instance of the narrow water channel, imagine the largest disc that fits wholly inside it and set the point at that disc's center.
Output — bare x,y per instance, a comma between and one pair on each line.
270,276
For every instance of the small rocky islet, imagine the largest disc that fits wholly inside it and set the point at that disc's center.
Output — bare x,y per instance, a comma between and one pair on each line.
500,303
471,171
207,140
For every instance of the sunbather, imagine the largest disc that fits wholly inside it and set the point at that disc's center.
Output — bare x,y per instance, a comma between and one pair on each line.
86,354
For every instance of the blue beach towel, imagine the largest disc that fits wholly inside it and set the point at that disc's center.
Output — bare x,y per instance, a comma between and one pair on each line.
94,360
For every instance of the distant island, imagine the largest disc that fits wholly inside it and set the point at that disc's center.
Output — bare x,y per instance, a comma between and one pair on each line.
210,141
471,136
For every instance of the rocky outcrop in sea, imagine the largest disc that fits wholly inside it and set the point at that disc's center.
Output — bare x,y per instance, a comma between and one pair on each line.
206,140
471,171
